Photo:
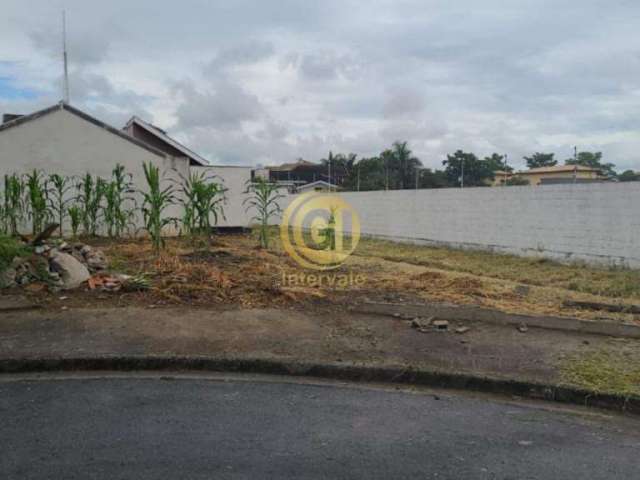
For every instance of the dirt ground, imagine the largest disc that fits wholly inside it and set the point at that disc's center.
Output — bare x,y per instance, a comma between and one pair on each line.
232,271
231,298
330,336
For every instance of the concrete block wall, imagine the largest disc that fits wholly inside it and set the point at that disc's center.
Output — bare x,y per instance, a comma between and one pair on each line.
595,223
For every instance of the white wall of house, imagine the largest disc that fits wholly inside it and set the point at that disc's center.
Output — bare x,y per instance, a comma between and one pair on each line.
235,181
62,142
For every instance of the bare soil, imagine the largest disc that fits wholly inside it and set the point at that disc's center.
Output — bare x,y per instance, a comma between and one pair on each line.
230,270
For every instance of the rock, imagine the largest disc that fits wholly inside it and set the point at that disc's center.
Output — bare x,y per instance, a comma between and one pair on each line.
85,250
72,272
8,278
462,329
65,247
95,260
522,328
441,325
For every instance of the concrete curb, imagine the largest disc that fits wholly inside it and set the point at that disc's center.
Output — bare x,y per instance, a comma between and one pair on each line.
486,315
353,373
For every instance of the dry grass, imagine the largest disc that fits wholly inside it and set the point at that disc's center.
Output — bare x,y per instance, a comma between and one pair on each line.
233,270
605,371
607,282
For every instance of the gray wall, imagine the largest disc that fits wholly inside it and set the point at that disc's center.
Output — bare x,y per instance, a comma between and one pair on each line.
61,142
596,223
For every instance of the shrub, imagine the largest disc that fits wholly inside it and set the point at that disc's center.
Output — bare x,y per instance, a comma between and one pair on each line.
9,249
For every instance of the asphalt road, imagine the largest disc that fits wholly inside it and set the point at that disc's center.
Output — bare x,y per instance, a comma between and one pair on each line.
142,428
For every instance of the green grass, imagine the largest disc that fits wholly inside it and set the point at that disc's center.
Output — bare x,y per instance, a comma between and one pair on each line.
604,372
9,249
610,282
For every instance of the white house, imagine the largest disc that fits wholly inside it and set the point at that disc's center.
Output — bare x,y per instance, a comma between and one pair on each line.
62,139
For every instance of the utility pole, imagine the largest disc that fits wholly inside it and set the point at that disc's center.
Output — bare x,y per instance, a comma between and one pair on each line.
575,164
358,183
329,163
462,173
417,175
65,93
386,173
506,170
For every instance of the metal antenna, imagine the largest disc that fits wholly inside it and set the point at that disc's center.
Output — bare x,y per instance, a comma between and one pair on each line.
64,57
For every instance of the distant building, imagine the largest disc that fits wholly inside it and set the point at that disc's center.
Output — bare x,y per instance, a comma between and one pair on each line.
303,172
319,186
558,174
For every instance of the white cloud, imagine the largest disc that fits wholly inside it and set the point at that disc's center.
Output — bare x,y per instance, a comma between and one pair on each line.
252,81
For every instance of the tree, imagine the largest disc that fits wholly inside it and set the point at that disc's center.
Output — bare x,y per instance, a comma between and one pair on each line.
367,174
433,179
405,165
516,180
343,170
477,173
593,160
629,176
497,163
538,160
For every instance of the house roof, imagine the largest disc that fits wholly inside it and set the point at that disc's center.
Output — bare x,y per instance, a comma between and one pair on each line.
559,168
85,116
292,166
162,135
317,183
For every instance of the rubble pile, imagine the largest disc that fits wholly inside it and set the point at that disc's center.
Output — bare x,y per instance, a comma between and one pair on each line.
61,265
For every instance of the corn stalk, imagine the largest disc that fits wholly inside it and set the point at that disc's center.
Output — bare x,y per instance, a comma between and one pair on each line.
155,200
75,217
202,199
117,195
14,207
90,193
58,187
263,200
37,200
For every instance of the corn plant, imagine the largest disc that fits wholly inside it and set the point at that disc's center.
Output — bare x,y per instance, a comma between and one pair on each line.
202,198
59,187
155,200
37,200
117,194
90,193
263,200
14,208
75,218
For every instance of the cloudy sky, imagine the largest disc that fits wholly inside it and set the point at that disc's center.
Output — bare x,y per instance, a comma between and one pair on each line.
248,82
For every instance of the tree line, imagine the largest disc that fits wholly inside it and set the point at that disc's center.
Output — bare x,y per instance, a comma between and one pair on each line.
398,168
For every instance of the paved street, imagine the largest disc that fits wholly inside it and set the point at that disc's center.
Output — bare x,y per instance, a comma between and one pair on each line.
197,428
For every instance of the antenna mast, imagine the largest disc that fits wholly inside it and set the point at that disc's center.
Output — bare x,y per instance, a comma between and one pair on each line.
64,57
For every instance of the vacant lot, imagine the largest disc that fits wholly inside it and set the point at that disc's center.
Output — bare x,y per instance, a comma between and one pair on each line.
231,270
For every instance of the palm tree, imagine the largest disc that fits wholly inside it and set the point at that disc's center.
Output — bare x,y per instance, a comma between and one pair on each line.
405,163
